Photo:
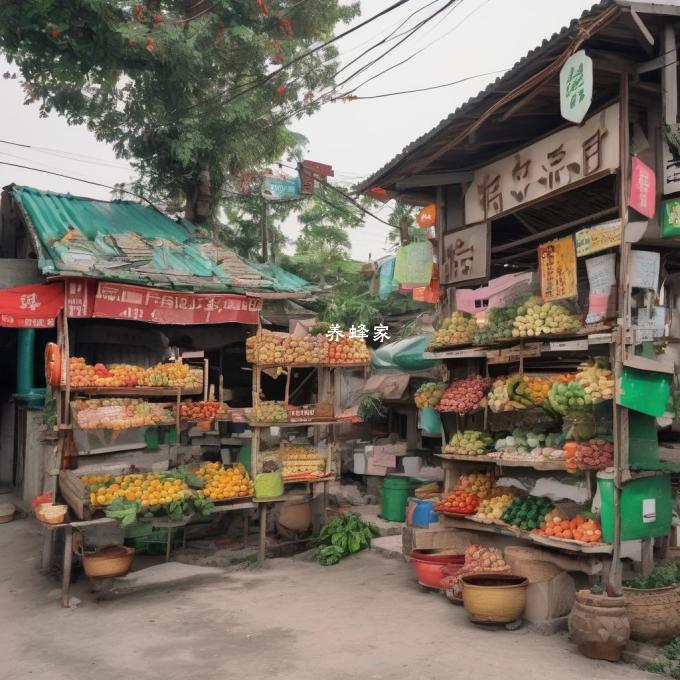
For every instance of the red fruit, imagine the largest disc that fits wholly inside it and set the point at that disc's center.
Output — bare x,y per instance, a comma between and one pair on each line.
281,90
149,45
54,33
157,19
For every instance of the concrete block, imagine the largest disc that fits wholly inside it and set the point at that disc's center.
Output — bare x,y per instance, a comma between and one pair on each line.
551,599
434,538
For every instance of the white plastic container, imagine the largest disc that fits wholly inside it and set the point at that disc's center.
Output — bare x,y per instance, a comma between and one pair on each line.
360,463
412,464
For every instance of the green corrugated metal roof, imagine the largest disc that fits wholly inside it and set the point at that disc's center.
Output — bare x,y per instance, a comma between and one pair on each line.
127,241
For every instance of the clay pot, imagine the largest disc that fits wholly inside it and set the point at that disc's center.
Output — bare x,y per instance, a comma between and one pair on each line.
654,614
494,598
599,626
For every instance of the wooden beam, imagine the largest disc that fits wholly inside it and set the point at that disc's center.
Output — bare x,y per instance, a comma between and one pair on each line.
641,32
651,7
669,75
651,65
436,179
529,227
540,235
518,106
611,62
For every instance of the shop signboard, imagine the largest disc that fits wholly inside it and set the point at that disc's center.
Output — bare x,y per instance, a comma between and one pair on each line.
597,238
467,255
671,160
137,303
670,218
280,188
557,269
34,306
545,167
576,87
642,188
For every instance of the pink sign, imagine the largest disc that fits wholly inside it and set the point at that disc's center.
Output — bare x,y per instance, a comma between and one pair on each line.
642,188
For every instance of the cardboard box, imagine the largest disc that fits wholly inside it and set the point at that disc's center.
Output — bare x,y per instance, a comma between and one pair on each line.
387,460
434,538
399,449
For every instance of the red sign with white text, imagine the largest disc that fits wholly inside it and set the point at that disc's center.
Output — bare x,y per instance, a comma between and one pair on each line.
80,297
137,303
642,188
31,306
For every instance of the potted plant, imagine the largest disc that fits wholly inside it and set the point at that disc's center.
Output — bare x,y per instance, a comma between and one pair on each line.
653,604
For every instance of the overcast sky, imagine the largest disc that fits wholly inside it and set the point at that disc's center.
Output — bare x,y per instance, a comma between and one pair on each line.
357,138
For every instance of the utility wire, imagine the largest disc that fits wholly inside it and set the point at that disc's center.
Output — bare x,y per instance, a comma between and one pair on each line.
304,55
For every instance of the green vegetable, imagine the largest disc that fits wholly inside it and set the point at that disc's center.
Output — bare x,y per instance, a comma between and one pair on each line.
668,662
343,536
662,576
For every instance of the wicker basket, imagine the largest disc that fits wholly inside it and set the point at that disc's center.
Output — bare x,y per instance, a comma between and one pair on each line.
654,614
108,562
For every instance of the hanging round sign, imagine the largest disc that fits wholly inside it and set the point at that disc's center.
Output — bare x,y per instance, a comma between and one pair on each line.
576,86
427,216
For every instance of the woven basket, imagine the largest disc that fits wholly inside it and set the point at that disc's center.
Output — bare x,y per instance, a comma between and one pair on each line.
526,562
654,614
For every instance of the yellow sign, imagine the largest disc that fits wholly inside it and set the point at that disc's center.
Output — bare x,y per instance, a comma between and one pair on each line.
557,266
600,237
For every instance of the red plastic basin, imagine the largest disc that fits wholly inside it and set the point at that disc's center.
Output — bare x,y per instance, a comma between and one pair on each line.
429,566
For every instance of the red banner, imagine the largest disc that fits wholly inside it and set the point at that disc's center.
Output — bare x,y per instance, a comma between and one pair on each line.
137,303
80,297
33,306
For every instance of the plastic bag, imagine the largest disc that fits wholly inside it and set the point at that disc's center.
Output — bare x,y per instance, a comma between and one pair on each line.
386,282
413,265
433,292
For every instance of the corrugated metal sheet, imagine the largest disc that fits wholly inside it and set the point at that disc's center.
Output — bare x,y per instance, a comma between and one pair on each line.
127,241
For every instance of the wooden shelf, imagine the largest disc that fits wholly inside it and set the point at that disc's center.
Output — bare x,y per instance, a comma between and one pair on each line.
543,541
357,365
310,480
133,391
544,466
480,351
316,423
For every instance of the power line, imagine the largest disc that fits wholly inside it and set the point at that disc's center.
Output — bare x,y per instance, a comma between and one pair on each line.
306,54
60,153
85,181
420,89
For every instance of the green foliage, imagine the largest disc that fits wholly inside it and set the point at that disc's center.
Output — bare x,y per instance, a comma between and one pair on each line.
668,662
662,576
165,81
404,214
343,536
372,408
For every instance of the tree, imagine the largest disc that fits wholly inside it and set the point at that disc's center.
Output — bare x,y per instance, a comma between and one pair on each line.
322,250
403,215
177,85
242,229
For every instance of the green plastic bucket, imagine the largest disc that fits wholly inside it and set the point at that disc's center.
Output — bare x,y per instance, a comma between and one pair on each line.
430,420
394,497
646,507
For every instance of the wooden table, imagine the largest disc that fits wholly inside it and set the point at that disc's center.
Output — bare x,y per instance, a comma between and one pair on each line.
68,528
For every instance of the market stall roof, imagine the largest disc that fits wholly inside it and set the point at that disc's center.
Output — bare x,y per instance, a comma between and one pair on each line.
128,242
474,133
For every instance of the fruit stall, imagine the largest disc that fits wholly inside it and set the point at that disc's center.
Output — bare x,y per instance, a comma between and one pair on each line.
300,450
556,237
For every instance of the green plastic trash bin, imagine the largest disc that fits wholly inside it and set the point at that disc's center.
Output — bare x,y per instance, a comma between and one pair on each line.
646,507
645,391
643,442
394,497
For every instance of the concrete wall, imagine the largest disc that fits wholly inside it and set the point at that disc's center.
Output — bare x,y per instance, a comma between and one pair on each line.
36,453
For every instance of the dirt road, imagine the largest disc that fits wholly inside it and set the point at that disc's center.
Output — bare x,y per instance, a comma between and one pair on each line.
364,618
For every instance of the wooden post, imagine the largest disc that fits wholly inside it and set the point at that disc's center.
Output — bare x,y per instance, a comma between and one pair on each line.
669,75
264,230
66,573
262,546
621,336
